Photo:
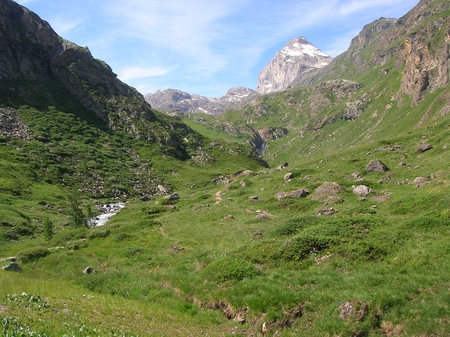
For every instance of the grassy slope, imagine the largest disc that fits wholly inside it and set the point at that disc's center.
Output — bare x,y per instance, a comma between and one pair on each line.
186,268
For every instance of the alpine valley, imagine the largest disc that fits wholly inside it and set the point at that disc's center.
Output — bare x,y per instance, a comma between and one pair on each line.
315,205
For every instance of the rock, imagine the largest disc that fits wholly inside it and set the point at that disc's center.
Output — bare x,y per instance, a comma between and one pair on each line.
288,176
402,163
376,166
282,166
446,146
161,188
424,148
420,181
257,234
173,196
262,217
328,191
300,193
145,198
88,270
13,267
353,310
362,190
254,197
242,183
228,218
327,211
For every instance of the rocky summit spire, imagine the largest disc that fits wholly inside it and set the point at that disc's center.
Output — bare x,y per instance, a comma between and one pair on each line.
297,58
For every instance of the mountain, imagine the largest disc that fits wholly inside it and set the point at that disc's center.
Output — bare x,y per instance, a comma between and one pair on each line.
77,124
345,233
295,60
173,100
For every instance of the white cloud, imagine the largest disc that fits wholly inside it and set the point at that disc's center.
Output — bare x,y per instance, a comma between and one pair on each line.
132,73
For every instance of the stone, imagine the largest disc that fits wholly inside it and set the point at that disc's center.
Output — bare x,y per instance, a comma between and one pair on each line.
326,211
300,193
376,165
242,183
13,267
254,197
145,198
288,176
228,218
262,217
424,148
362,190
328,191
174,196
353,310
88,270
282,166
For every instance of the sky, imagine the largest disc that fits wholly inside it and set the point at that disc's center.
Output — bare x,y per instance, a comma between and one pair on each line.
205,47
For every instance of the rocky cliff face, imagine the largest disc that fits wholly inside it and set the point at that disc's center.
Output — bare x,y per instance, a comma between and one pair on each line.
173,100
39,68
418,44
296,59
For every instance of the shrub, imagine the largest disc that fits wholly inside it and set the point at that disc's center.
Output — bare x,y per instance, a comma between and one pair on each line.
294,225
229,269
33,254
305,244
98,233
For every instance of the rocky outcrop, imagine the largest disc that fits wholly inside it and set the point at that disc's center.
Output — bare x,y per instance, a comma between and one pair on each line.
177,101
296,59
40,69
418,43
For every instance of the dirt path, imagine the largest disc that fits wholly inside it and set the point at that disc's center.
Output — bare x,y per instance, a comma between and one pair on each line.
218,197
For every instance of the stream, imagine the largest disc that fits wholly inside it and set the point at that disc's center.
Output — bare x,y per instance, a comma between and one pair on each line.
107,211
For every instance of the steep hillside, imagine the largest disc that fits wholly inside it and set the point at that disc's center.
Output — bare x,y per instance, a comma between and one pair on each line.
66,117
394,78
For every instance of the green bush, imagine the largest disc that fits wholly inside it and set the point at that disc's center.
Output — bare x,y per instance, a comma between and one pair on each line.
98,233
229,269
33,254
305,244
294,225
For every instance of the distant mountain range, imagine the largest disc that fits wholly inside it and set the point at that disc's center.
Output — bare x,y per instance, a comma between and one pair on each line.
289,65
174,100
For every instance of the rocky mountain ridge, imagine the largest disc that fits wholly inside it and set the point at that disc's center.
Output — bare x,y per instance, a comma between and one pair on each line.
174,100
34,53
291,63
294,61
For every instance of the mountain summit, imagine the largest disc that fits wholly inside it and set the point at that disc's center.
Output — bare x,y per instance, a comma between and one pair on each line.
297,58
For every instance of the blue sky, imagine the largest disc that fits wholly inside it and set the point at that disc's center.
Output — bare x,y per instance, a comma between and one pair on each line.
205,47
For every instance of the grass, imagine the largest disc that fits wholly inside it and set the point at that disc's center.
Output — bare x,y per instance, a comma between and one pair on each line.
228,256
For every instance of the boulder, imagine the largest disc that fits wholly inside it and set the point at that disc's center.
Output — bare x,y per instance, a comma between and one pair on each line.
376,166
328,191
424,148
13,267
88,270
262,217
300,193
362,190
288,176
